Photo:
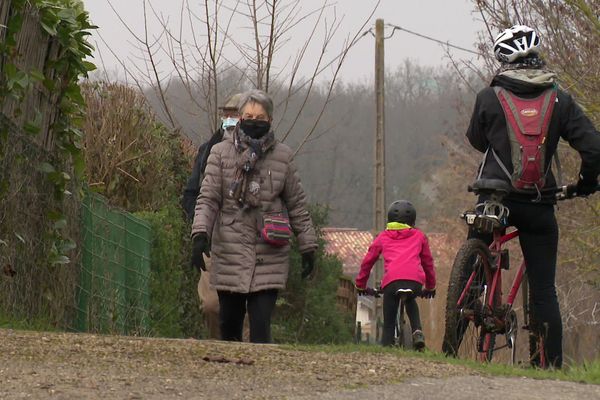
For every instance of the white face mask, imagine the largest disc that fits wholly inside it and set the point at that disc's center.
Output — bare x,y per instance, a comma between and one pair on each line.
229,123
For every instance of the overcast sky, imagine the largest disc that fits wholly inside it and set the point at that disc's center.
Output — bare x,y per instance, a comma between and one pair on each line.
447,20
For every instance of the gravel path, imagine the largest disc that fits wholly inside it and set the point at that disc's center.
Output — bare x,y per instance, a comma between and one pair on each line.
37,365
470,388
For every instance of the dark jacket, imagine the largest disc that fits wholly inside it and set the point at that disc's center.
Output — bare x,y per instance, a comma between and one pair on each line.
192,189
488,128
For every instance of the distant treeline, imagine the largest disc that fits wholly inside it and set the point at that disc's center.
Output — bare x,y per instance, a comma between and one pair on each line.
424,107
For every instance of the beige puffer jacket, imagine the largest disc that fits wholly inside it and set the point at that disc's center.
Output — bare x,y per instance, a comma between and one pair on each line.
241,261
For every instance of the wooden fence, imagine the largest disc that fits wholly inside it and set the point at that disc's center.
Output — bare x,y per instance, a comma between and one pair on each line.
346,295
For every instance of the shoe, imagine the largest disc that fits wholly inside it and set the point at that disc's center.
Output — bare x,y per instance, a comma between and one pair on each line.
418,340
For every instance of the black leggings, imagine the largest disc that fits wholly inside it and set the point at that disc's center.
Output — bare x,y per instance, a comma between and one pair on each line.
538,236
260,306
390,308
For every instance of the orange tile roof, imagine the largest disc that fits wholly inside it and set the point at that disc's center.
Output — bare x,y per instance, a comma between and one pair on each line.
349,244
444,247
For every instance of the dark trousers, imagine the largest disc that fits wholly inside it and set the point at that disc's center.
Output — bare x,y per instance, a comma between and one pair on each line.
538,236
233,306
390,308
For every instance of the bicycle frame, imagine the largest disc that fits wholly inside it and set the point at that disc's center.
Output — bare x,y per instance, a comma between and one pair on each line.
494,296
400,322
486,310
496,246
499,239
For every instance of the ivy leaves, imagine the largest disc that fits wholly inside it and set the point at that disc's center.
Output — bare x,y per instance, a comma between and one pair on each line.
67,26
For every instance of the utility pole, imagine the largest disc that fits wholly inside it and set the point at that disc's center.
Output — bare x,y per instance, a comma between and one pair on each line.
379,192
379,199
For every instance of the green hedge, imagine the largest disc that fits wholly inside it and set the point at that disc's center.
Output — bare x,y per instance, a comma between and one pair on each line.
174,308
307,311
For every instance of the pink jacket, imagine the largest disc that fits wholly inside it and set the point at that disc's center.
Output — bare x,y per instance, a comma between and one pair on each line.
406,256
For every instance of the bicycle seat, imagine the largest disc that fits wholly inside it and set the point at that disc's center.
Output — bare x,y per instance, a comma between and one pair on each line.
489,186
404,292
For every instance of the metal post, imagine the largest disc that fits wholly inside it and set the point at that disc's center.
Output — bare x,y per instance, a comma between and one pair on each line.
379,192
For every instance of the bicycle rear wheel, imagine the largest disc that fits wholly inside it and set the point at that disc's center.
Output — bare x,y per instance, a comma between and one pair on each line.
465,335
403,334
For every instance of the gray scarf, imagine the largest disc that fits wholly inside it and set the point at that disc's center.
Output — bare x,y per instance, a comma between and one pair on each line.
534,76
251,150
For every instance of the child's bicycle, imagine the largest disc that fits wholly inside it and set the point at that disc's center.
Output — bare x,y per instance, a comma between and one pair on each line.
402,331
476,316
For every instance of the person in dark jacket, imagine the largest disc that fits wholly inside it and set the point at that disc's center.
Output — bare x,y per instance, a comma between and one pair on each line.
523,74
209,301
229,118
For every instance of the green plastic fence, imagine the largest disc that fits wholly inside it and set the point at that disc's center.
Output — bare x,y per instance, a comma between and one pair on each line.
113,292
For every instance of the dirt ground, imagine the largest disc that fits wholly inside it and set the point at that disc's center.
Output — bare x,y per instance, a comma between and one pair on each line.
36,365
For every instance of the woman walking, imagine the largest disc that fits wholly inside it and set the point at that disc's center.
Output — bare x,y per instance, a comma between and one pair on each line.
250,203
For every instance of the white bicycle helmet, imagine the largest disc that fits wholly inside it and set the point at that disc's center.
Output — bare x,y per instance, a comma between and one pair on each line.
516,42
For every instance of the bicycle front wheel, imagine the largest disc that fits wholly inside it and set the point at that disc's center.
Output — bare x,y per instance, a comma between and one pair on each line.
465,335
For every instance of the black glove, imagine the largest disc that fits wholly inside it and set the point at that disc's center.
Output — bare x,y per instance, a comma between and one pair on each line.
368,292
308,263
586,186
428,293
200,245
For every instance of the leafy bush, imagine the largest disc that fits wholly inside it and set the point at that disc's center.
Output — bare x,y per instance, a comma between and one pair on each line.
40,157
174,308
306,311
131,158
139,165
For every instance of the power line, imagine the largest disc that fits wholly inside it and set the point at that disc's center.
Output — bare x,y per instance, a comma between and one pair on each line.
399,28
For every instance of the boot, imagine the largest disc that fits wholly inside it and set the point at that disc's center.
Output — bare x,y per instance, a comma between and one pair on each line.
418,340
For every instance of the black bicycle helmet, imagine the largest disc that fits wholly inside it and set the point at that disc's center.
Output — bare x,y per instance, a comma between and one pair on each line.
402,211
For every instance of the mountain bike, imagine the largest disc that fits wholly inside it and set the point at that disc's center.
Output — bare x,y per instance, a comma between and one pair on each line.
479,323
402,330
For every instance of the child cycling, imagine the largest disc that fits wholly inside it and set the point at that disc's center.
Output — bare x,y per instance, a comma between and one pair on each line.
408,264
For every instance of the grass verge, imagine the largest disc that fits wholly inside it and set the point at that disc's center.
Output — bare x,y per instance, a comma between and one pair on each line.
26,324
588,372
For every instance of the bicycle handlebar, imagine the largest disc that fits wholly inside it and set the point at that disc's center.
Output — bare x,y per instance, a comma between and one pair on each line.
569,192
378,292
375,292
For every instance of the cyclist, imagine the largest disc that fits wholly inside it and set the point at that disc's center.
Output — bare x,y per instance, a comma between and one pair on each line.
500,132
408,264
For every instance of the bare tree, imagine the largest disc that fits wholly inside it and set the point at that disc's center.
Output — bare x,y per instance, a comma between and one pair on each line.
570,33
223,46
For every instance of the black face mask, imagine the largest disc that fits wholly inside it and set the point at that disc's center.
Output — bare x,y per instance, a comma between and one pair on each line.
255,128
